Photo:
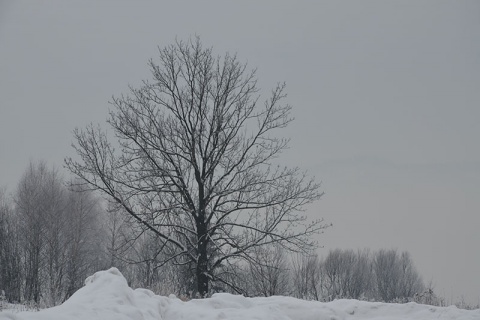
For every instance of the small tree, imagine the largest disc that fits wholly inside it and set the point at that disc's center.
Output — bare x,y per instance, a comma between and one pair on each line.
347,274
307,280
269,271
333,271
362,276
396,278
428,296
196,162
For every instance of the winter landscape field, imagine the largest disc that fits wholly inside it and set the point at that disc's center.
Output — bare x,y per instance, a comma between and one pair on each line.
107,296
274,159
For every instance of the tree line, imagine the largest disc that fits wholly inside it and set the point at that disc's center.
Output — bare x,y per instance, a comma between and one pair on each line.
53,234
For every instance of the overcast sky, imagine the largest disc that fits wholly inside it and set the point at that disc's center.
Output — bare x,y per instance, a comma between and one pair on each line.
386,96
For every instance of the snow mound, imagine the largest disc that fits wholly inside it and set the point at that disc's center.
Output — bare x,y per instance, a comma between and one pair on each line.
106,296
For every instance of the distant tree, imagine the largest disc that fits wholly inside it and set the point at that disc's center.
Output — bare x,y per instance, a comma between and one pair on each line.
361,282
58,236
307,277
196,162
412,282
84,239
10,262
333,270
269,271
396,278
119,236
30,207
55,235
346,274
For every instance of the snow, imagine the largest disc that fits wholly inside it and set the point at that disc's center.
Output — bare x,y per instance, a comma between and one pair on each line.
106,296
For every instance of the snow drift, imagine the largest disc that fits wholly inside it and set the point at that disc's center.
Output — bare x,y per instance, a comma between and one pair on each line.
107,296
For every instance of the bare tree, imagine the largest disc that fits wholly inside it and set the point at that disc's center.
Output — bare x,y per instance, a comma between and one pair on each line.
345,274
332,270
118,240
307,280
361,282
57,235
41,202
30,206
84,238
10,263
269,271
395,276
411,282
196,162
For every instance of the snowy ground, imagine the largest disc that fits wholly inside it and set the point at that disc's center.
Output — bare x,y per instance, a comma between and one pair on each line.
107,296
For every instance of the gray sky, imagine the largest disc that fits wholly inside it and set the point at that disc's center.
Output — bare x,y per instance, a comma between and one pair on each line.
385,94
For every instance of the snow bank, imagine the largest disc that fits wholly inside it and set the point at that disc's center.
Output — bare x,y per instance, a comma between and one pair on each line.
107,296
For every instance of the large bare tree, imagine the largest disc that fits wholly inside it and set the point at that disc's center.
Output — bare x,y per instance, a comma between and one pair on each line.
193,162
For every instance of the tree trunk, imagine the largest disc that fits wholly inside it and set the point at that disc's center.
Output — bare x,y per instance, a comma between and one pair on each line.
202,263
